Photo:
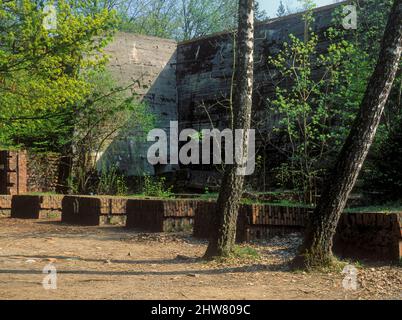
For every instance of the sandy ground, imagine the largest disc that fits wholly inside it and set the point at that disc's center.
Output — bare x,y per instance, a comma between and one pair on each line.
114,263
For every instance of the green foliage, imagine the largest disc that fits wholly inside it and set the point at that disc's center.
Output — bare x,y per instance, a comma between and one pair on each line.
156,187
107,112
181,20
73,185
106,182
154,18
208,196
388,207
383,172
317,260
112,183
245,252
110,112
47,131
202,17
40,69
315,112
381,168
278,203
373,16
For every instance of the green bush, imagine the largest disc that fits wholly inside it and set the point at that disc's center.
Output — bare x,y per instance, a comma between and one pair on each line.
112,183
156,187
384,168
106,182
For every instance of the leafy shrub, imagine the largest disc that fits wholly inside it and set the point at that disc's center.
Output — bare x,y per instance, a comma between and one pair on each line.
384,168
106,182
112,183
156,187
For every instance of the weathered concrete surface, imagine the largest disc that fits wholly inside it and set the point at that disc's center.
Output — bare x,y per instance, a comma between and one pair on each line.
149,63
205,68
204,78
191,82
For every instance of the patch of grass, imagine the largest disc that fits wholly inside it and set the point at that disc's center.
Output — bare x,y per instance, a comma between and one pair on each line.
43,194
317,262
185,227
136,195
143,196
240,254
390,207
207,196
115,221
281,203
245,252
277,192
358,264
336,266
53,215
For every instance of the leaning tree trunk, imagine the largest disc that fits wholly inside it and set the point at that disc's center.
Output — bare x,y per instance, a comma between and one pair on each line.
225,220
316,250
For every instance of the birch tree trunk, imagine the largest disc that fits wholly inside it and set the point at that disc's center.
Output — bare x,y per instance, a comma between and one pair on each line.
225,220
316,250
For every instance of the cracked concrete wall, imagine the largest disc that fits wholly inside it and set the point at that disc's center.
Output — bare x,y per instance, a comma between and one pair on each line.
205,68
191,82
204,78
151,63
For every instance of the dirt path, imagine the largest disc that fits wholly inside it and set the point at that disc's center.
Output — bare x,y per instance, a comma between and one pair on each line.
113,263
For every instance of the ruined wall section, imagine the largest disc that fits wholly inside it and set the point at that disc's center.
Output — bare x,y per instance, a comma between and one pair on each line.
205,68
13,172
204,81
191,82
150,64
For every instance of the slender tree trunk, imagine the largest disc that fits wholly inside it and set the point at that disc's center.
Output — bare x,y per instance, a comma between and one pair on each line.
225,219
65,166
316,250
65,169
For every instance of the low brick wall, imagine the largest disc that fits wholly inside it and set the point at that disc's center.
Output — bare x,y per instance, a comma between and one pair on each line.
92,211
81,211
255,221
35,207
369,235
13,172
203,220
359,235
42,171
278,215
267,221
5,206
161,215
